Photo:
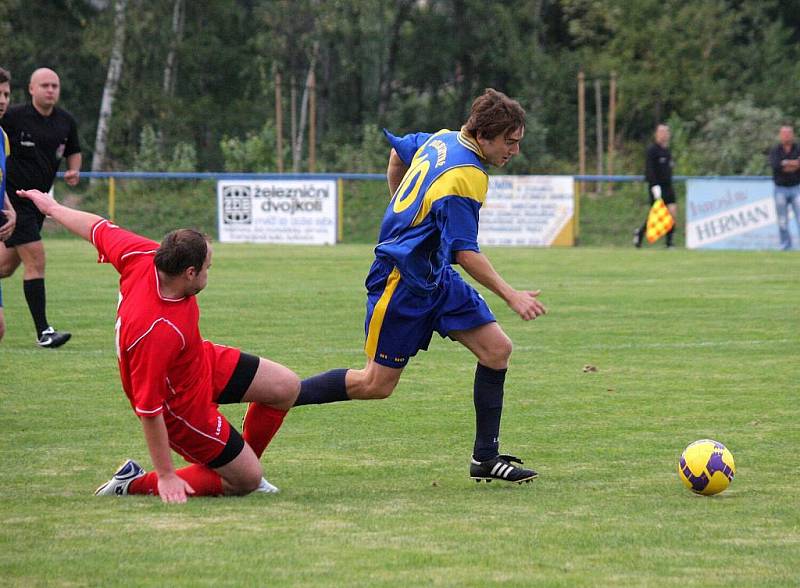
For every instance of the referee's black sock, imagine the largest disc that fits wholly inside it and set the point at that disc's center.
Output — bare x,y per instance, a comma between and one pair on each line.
488,398
323,388
34,295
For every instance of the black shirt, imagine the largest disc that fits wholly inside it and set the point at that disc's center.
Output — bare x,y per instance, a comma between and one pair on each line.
37,145
658,167
776,155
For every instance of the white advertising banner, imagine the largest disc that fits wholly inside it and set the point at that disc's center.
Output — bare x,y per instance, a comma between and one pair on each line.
528,211
301,212
731,214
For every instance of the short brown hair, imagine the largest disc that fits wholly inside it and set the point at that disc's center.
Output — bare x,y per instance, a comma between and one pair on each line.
493,113
5,76
180,250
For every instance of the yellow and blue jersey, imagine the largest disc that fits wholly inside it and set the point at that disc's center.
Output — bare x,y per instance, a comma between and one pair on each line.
434,212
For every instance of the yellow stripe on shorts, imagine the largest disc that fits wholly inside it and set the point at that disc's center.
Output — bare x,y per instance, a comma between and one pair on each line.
376,322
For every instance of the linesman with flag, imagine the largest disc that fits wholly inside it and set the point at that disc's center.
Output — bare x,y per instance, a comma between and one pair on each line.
663,207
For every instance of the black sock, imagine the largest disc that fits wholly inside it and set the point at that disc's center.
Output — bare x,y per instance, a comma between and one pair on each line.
34,294
323,388
488,398
670,236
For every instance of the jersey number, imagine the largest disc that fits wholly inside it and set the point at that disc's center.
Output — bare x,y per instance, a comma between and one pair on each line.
412,182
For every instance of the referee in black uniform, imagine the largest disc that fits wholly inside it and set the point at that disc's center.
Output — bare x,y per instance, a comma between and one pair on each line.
41,135
658,173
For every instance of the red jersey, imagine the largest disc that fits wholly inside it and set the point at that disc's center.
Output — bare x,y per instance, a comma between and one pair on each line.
162,357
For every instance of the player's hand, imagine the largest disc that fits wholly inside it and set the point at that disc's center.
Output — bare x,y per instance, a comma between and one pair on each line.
526,304
173,488
656,192
11,221
72,177
43,201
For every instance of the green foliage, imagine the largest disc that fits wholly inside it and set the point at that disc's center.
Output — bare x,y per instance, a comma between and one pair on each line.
736,137
151,156
404,65
370,155
681,146
254,153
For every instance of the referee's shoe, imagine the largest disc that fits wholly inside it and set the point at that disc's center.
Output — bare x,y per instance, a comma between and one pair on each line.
500,468
51,338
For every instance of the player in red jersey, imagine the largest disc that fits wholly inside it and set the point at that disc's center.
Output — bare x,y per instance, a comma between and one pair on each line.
173,378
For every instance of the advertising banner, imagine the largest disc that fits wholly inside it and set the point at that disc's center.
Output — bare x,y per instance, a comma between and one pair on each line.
732,214
300,212
528,211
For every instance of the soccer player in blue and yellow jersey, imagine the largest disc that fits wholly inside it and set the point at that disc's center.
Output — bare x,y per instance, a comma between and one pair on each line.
439,182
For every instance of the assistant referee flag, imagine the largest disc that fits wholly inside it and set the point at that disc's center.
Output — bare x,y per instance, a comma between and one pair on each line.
659,221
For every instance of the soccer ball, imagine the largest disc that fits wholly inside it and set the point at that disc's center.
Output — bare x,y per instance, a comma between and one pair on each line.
706,467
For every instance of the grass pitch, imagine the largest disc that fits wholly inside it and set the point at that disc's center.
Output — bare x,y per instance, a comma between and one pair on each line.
686,345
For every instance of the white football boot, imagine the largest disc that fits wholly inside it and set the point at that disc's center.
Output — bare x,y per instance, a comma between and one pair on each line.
266,488
118,485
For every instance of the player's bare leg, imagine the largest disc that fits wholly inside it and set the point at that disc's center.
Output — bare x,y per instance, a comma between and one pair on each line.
488,343
242,475
274,385
9,261
375,381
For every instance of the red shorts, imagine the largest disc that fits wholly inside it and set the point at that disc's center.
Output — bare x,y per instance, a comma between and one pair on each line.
196,428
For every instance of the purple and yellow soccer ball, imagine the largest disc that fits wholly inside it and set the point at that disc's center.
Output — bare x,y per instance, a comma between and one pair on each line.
706,467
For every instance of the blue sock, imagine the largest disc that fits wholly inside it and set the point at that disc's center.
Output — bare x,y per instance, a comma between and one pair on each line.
323,388
488,398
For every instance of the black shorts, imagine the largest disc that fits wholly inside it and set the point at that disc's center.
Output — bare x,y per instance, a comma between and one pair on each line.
231,451
667,194
29,226
241,378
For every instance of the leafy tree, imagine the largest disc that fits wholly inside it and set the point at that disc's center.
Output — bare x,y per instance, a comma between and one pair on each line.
735,138
254,153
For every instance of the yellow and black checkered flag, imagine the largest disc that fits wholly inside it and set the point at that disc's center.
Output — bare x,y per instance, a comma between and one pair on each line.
659,221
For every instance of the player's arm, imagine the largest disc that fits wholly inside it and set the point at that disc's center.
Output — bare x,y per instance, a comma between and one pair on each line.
171,488
76,221
395,171
11,218
523,302
72,175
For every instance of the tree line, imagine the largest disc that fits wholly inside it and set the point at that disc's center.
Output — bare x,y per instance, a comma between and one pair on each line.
182,85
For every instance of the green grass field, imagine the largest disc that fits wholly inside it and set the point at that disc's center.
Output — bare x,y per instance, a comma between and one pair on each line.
687,345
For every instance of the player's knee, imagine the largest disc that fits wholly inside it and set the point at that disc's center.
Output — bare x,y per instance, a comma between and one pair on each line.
497,355
379,390
246,483
7,270
252,483
288,386
2,328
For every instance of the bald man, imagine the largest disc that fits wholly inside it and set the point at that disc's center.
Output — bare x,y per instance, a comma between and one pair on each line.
40,134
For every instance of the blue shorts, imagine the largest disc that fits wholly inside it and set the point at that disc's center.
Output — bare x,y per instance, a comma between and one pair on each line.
400,322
